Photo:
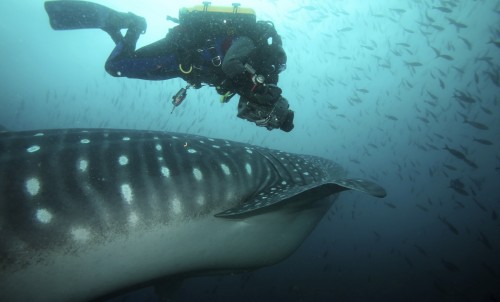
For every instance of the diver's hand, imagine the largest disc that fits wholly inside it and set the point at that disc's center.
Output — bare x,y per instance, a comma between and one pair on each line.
287,123
267,94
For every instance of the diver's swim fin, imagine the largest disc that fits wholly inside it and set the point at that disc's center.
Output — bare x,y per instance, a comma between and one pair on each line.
82,14
78,14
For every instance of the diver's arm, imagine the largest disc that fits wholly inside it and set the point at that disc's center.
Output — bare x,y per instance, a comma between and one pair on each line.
261,104
236,57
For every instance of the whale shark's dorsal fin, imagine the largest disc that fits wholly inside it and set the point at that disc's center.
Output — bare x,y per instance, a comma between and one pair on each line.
275,196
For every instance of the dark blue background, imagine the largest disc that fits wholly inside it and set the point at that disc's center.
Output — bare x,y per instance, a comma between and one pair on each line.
374,87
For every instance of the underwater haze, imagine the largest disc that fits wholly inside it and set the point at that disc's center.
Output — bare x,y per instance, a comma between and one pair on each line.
402,92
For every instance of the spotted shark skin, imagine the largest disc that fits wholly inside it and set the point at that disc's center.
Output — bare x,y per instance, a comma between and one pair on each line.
86,212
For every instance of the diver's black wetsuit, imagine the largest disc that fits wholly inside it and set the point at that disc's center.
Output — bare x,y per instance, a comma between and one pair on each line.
156,61
220,64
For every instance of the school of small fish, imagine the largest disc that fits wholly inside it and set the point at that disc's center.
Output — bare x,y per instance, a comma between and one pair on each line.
406,93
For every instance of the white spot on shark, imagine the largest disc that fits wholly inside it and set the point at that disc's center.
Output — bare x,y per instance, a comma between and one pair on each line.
33,186
225,169
85,141
306,173
248,168
216,147
165,171
126,138
133,219
200,200
127,193
80,234
197,174
83,165
33,148
43,216
158,147
283,182
123,160
249,151
39,134
176,206
192,151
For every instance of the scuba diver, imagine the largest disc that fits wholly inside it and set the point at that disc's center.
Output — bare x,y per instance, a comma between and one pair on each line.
224,47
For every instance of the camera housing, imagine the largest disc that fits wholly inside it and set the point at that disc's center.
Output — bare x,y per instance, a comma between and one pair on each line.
276,116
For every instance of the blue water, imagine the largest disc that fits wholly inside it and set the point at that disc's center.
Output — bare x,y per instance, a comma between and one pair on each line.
377,86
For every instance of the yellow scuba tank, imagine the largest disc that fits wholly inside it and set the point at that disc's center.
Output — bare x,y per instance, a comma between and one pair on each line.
218,18
207,7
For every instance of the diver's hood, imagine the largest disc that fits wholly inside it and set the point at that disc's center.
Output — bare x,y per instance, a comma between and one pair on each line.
275,54
270,59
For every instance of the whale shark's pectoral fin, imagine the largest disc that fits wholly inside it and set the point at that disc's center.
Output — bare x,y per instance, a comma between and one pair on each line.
270,198
362,185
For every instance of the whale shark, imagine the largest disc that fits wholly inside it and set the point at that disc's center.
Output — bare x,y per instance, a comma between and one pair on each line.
88,212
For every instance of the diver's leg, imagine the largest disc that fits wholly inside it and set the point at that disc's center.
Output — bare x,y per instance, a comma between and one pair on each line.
156,61
125,45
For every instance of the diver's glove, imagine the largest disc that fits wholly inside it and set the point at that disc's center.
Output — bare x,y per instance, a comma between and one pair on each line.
267,94
272,116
